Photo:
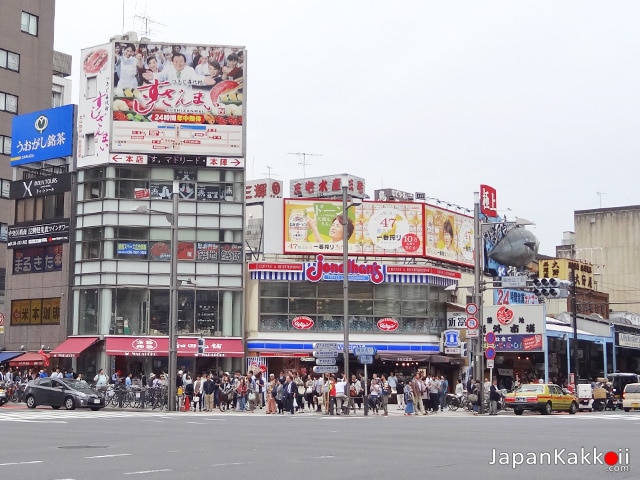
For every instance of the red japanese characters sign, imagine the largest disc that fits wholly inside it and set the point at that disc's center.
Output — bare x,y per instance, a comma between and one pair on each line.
488,201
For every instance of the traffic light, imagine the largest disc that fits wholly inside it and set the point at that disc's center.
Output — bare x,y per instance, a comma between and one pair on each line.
551,287
201,345
464,350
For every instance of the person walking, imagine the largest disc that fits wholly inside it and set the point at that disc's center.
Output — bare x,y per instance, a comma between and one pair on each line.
408,399
494,397
385,393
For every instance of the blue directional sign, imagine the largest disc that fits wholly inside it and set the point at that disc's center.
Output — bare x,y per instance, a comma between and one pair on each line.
365,359
359,351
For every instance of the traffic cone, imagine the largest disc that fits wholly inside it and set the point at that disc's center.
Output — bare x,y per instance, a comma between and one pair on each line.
186,403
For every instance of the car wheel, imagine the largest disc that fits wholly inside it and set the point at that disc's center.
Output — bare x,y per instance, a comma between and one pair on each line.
627,409
31,401
547,408
55,407
574,408
69,403
518,411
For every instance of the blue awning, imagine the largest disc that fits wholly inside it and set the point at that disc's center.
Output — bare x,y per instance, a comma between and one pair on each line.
6,356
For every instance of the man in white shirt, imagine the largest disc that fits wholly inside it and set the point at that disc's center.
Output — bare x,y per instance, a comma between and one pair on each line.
341,396
178,73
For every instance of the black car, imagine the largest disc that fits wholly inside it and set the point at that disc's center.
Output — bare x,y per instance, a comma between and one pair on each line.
58,392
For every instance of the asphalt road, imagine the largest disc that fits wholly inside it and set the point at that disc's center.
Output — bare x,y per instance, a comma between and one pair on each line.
45,444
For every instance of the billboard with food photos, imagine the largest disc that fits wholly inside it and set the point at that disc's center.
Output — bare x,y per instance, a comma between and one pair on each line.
160,98
94,107
373,228
179,98
449,236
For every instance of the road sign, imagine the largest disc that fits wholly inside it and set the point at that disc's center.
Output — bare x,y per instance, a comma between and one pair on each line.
325,361
325,346
490,338
325,353
471,309
472,323
490,353
365,359
325,369
360,351
519,281
490,363
452,350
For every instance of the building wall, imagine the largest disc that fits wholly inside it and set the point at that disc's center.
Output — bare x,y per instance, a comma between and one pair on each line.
32,84
609,239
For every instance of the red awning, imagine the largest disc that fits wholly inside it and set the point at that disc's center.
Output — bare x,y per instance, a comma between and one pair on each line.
73,347
140,346
29,359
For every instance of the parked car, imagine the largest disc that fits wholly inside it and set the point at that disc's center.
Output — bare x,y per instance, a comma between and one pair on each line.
619,381
58,392
631,396
542,397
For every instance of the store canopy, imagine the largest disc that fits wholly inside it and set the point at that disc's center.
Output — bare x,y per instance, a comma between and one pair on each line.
29,359
4,356
186,346
73,347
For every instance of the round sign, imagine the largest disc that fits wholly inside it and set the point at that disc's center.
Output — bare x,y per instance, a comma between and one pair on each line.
472,323
490,353
490,338
471,309
1,318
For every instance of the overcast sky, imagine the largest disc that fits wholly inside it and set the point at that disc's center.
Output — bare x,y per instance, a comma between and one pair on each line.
538,99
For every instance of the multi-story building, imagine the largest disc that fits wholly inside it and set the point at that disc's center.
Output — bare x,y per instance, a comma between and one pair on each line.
32,78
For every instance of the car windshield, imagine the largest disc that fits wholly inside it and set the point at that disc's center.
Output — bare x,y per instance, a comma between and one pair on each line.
530,388
78,384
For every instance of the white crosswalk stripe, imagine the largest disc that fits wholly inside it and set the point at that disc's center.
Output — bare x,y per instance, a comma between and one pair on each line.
53,416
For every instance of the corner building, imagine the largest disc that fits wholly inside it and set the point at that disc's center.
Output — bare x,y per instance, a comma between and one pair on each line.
145,144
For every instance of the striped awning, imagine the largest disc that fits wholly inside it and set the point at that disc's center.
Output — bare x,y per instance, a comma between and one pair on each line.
388,278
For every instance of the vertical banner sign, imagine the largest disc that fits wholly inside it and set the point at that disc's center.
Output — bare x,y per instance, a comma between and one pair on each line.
488,201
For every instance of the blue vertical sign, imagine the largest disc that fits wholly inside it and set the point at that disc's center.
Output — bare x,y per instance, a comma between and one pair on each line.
42,135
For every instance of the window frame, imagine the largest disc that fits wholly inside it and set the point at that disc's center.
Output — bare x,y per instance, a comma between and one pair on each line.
29,27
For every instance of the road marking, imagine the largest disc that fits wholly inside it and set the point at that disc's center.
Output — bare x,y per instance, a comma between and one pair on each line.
228,464
111,456
147,471
20,463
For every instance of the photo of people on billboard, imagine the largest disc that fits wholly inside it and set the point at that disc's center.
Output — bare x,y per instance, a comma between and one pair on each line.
449,235
175,97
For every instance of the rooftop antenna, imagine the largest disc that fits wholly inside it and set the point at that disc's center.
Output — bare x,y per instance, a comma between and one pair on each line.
600,194
269,174
146,21
303,163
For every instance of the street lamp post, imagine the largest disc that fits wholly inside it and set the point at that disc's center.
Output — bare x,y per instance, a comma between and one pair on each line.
173,303
345,273
172,218
477,292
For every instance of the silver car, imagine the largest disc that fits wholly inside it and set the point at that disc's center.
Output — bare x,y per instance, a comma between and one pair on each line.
58,392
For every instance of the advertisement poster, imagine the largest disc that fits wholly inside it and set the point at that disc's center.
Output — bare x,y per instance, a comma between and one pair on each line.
373,228
179,98
517,327
449,236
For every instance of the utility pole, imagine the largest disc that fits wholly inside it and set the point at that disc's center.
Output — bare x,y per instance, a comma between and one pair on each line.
303,163
574,315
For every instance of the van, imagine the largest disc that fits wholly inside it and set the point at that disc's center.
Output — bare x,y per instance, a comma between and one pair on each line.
619,381
631,396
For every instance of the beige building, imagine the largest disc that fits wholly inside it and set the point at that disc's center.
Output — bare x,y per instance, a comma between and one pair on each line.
609,239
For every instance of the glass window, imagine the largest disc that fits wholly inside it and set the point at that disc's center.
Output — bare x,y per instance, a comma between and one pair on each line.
5,145
92,243
274,289
87,312
274,305
29,23
128,312
8,102
9,60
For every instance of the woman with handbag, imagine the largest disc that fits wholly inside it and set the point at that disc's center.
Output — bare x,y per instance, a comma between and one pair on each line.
308,392
241,393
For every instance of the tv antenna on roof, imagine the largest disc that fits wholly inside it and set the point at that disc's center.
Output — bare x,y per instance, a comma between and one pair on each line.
600,197
303,163
269,174
146,21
